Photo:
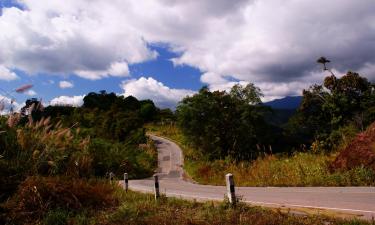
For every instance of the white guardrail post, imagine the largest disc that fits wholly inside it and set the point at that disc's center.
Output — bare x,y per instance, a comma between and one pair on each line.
126,181
230,188
156,187
111,177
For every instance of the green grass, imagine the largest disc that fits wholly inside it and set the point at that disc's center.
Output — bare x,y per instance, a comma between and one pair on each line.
300,169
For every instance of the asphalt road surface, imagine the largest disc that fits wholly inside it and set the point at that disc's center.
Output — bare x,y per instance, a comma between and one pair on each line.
359,201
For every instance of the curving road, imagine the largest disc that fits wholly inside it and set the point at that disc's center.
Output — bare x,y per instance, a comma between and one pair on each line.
359,201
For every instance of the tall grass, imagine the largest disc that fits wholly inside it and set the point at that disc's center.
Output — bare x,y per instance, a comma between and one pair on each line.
300,169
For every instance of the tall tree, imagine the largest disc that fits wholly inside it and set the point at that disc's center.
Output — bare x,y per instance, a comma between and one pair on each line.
338,102
223,124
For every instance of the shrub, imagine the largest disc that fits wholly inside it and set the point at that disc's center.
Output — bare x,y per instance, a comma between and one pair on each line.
56,217
136,160
38,195
358,153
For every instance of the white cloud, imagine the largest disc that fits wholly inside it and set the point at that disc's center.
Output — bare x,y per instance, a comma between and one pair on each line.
116,69
76,36
6,74
30,92
119,69
149,88
7,104
65,84
269,42
68,100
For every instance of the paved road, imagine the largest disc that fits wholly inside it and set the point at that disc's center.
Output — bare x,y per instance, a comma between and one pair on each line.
347,200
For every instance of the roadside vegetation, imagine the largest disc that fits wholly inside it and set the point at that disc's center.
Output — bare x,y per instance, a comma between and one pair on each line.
57,158
298,169
324,143
43,200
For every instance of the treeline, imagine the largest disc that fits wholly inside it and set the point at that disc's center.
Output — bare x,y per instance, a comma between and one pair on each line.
237,125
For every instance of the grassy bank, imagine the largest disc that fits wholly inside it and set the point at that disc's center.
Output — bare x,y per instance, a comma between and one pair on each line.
300,169
112,205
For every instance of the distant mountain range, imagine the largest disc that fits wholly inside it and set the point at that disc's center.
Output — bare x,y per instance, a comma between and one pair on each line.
289,102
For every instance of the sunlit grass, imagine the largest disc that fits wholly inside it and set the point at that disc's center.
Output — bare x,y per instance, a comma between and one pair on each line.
300,169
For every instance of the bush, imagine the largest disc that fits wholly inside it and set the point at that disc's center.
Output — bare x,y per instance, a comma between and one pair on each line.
137,160
56,217
38,195
360,152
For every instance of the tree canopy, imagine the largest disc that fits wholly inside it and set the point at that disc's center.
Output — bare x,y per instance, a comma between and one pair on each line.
222,124
348,101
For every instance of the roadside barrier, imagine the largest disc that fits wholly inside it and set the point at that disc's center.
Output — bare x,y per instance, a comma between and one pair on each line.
156,187
111,177
230,188
228,178
126,181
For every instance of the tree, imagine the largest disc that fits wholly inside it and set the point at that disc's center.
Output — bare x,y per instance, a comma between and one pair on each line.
33,108
327,108
222,124
324,61
248,94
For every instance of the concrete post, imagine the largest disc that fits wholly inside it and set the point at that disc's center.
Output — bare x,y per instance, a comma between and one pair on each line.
126,181
230,188
156,187
111,177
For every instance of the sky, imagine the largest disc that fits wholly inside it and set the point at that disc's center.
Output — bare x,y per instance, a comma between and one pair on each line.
165,50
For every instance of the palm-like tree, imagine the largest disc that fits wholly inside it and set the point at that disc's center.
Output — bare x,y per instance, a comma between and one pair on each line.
323,60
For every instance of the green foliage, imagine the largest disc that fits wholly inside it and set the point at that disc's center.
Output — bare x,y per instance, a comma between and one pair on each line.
221,124
148,110
56,217
250,94
33,108
297,169
137,161
327,109
76,142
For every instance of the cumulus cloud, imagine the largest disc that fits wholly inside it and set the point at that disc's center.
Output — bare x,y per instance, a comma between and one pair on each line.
30,92
65,84
149,88
271,43
7,105
91,40
68,100
116,69
6,74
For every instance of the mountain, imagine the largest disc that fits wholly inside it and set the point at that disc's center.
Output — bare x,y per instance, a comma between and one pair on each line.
289,102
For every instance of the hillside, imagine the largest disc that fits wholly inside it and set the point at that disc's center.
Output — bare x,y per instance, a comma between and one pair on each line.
289,102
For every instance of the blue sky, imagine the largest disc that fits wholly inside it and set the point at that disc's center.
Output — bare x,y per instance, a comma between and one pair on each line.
165,50
162,69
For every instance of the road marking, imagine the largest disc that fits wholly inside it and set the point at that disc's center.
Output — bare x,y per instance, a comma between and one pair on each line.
309,206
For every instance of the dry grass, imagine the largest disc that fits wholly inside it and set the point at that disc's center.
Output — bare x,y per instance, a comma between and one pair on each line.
46,148
142,209
63,200
300,169
36,196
